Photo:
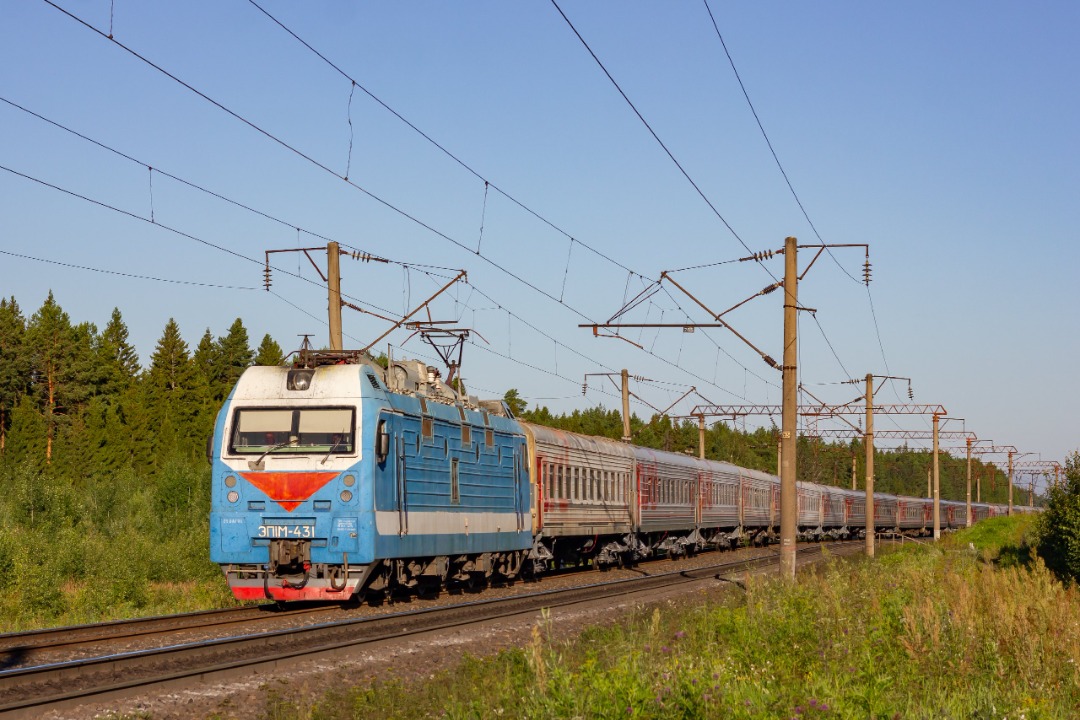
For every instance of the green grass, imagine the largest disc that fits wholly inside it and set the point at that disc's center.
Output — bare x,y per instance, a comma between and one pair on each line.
922,632
1006,541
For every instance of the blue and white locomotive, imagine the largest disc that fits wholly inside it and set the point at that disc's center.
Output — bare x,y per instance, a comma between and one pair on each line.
336,477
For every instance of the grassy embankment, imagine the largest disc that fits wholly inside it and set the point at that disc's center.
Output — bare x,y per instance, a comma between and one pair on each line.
971,628
104,548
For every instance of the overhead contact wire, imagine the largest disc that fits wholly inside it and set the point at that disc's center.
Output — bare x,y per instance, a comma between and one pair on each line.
371,195
656,137
434,142
124,274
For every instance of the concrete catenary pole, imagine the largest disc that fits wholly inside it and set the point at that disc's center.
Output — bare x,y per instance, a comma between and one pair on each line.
625,405
968,512
853,470
869,442
333,284
937,484
701,436
1010,482
789,414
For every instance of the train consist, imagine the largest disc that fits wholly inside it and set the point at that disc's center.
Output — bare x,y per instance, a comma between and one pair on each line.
337,477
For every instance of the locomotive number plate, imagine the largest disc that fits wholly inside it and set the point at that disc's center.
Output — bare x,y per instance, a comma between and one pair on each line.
286,531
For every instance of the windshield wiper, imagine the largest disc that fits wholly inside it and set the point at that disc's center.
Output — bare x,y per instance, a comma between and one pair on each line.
258,464
333,447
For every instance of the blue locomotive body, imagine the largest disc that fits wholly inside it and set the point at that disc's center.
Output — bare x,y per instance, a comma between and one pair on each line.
326,480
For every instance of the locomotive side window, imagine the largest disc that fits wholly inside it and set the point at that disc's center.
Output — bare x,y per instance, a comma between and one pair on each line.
382,443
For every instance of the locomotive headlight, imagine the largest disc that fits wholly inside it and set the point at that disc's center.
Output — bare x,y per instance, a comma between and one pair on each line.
346,496
349,480
230,481
299,379
233,496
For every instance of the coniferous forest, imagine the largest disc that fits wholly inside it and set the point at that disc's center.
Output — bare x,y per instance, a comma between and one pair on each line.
102,459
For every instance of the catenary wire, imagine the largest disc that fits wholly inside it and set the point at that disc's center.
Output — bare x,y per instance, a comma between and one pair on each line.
487,183
175,231
268,216
326,169
195,186
787,180
656,137
124,274
768,142
437,144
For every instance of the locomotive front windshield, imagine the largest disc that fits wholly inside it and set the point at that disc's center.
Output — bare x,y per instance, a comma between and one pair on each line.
294,429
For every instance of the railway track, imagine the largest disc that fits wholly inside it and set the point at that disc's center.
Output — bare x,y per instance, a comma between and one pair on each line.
15,647
30,691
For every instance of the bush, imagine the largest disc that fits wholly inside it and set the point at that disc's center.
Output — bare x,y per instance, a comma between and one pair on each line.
1058,529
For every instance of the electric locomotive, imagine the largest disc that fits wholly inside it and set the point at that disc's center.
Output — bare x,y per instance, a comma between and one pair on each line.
336,474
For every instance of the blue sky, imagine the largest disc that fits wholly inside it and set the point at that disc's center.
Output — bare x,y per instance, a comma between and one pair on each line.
943,135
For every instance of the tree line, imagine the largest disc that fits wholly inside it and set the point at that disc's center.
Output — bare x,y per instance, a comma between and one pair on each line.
78,399
106,502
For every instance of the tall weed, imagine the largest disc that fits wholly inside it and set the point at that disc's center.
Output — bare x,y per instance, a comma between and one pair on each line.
926,632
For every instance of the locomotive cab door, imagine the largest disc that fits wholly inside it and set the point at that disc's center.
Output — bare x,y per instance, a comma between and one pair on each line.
391,500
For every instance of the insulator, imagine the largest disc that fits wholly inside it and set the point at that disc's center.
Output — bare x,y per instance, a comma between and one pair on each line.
910,394
866,272
266,277
584,386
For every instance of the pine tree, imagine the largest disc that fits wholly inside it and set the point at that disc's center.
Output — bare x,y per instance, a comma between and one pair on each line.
514,402
205,364
83,388
110,438
270,352
206,372
14,364
118,359
234,356
168,388
51,341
